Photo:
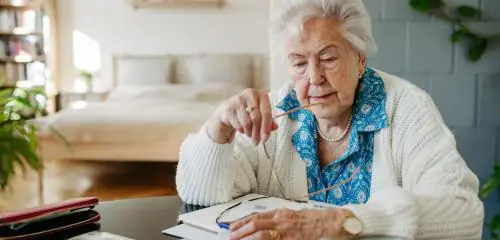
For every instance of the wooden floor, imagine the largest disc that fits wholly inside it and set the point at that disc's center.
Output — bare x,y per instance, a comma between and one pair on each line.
106,180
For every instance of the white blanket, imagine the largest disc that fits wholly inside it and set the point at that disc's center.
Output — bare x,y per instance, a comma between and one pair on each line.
129,121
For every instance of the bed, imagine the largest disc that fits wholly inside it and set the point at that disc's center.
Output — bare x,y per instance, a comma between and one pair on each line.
155,103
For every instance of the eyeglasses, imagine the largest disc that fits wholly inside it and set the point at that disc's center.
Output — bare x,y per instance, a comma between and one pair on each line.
227,223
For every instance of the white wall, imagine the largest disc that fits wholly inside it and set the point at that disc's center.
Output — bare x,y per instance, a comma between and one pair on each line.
241,26
278,72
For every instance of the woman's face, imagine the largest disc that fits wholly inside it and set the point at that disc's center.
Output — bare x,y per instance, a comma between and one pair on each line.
324,67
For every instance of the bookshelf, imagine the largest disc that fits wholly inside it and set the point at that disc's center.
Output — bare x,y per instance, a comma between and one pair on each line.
24,43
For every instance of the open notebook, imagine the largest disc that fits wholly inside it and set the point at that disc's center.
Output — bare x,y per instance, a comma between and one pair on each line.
205,219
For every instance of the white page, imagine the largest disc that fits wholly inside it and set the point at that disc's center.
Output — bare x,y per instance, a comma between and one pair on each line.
205,218
186,231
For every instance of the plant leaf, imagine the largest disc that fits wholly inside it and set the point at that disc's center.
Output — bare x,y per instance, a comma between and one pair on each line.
4,176
495,223
23,149
457,35
6,168
426,5
419,5
477,50
33,139
37,90
3,101
496,171
436,3
22,164
5,93
489,187
22,141
21,101
467,11
494,235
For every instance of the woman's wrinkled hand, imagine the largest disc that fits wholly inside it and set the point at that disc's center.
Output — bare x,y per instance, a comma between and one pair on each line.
249,113
289,224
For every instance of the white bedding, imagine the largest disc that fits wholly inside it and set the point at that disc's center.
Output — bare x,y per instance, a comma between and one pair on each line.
138,115
116,122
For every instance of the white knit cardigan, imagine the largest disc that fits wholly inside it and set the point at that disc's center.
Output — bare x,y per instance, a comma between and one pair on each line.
421,187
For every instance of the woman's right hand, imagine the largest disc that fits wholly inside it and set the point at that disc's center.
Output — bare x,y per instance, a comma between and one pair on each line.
248,112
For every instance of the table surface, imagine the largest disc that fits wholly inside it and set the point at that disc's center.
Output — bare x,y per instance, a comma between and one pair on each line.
142,218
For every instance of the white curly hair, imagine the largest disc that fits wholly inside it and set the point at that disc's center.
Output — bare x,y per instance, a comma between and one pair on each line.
352,14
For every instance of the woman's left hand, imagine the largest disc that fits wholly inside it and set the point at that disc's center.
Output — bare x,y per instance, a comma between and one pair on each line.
285,224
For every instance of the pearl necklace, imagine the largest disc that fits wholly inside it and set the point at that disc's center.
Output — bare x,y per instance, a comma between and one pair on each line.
339,137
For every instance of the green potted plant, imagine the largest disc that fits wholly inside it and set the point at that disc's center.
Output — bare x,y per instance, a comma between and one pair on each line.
88,77
492,184
18,140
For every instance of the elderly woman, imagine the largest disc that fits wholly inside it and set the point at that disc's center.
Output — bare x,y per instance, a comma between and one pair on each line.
367,141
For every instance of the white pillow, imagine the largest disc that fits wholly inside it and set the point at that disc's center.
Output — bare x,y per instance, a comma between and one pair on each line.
211,92
144,71
227,69
137,93
217,91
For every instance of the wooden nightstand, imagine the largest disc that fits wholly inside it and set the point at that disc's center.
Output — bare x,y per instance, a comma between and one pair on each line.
71,99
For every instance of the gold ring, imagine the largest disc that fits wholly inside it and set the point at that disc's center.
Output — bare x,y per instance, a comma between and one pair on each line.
275,235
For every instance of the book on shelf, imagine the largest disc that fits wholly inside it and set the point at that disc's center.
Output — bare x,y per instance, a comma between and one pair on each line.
3,48
12,47
26,21
13,72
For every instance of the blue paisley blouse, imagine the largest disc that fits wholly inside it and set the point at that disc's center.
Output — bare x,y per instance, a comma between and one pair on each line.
368,116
